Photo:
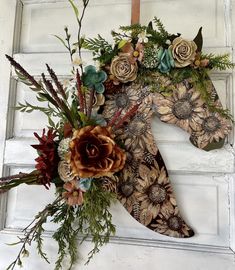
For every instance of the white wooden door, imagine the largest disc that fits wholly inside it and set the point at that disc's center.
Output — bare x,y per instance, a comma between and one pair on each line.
203,182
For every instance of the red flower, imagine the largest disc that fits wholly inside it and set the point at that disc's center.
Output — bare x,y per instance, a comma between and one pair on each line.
47,162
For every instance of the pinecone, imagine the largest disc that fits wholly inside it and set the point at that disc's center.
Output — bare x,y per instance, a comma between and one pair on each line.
109,183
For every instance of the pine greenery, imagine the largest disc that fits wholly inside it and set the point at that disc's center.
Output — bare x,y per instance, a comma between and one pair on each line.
161,28
220,62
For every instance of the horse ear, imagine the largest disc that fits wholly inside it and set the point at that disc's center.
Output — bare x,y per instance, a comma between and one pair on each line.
150,26
199,40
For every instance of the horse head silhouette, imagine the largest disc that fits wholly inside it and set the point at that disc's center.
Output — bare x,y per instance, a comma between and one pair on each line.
144,187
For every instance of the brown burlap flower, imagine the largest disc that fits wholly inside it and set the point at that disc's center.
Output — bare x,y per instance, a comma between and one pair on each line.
183,51
123,69
94,153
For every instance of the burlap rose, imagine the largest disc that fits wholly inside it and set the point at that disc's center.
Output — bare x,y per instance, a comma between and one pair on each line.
93,153
183,51
123,68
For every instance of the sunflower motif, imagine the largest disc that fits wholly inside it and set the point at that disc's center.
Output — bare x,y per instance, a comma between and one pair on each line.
183,108
170,223
137,134
126,189
154,193
214,129
123,100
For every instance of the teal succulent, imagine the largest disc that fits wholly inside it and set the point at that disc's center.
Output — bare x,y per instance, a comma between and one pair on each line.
165,59
85,183
94,79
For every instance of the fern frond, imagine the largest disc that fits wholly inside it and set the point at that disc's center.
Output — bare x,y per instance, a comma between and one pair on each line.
97,44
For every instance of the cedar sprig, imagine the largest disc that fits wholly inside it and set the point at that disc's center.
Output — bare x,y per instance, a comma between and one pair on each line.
161,27
66,234
33,232
220,62
94,218
134,29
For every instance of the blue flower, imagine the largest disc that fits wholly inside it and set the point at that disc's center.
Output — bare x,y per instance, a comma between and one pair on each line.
166,61
85,183
93,79
99,119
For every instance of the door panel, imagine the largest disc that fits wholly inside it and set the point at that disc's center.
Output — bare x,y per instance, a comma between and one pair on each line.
203,182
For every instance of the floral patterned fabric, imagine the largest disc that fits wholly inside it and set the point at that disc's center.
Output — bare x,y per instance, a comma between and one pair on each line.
185,108
143,186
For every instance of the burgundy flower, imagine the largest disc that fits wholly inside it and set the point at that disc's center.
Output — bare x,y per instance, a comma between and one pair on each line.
47,161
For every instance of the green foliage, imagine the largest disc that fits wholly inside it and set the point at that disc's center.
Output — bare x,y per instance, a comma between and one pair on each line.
220,62
134,29
95,220
66,234
161,28
75,9
49,111
33,232
91,219
102,50
25,80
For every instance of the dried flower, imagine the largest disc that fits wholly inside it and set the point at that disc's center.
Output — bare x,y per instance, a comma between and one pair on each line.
122,68
63,147
143,37
47,162
73,194
150,59
133,54
183,51
64,171
93,153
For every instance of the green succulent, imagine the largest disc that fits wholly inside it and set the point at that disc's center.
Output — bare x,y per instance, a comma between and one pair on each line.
94,79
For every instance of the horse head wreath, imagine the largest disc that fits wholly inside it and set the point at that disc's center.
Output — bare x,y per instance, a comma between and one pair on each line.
103,143
166,75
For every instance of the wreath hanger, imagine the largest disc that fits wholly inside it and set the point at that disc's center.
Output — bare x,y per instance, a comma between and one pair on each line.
135,11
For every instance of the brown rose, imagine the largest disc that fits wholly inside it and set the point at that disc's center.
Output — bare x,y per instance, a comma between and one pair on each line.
93,153
183,51
123,68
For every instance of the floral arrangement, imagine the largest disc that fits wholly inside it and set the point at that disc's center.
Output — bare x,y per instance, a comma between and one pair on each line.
101,147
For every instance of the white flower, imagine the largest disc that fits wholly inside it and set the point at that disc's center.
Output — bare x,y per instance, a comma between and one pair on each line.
63,147
77,61
168,42
143,37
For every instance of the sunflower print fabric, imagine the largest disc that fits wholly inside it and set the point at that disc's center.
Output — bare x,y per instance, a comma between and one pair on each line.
186,109
143,186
